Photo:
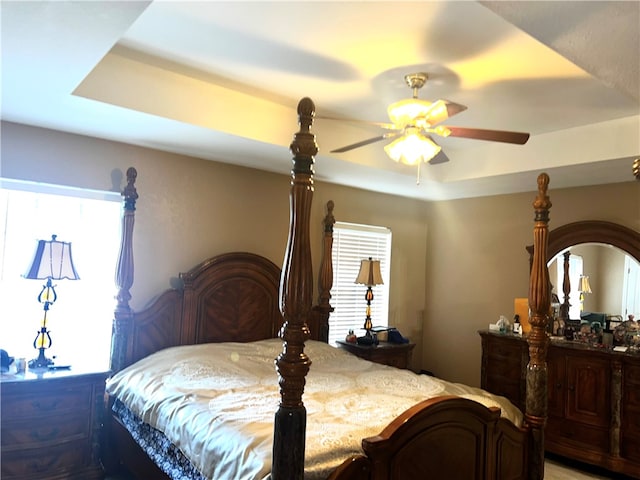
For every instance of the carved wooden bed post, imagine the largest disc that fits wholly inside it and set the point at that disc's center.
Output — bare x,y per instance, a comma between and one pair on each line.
566,289
323,309
124,276
296,292
539,304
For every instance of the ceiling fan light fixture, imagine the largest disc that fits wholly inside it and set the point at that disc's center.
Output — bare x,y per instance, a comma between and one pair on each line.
405,112
442,131
412,148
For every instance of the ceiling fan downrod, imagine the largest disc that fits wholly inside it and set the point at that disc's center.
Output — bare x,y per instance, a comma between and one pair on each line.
416,81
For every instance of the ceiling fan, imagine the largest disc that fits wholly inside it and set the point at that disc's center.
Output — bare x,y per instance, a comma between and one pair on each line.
414,121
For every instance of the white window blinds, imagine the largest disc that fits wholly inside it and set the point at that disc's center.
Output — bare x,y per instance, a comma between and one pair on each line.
353,243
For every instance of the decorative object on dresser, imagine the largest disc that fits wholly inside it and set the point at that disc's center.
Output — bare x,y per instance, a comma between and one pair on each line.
52,261
386,353
51,425
370,276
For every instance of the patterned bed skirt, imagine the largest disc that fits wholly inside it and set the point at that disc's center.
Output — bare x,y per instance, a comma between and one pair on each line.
163,453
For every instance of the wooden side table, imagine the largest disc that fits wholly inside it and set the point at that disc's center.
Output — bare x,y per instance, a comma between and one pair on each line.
51,425
393,354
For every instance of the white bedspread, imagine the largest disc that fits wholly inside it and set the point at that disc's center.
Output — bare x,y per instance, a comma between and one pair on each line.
216,402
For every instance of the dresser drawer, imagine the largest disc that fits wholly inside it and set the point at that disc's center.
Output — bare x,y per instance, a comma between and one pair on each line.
632,375
579,434
505,368
500,351
631,419
509,389
45,462
57,402
630,448
44,432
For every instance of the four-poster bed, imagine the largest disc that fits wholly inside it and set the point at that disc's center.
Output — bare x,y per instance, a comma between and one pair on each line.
247,300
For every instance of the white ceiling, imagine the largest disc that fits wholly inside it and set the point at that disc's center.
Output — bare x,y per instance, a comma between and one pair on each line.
221,81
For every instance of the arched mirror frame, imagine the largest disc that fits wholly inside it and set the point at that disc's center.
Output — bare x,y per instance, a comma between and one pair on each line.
593,231
589,231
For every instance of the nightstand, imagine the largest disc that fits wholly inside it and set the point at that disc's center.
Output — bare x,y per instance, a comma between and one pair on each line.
393,354
51,425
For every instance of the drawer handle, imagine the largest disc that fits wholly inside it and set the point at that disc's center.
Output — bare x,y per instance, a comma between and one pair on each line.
44,406
571,388
558,386
40,466
45,436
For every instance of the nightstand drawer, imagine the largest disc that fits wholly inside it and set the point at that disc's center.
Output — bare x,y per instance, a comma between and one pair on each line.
58,429
41,463
72,399
51,426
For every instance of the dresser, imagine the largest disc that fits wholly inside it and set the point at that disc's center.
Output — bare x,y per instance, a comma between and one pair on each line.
393,354
51,425
593,397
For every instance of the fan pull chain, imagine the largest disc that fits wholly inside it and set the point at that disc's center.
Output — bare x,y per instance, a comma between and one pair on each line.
418,177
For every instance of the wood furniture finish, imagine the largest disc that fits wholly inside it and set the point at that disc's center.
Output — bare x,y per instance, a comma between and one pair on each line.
504,367
51,426
422,435
593,398
393,354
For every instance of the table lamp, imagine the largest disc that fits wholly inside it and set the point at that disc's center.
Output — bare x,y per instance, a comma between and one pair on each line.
370,276
52,261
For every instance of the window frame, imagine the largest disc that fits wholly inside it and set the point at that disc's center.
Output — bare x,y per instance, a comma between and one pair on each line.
81,318
354,243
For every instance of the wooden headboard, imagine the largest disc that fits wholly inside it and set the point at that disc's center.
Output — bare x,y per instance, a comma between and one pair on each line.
229,297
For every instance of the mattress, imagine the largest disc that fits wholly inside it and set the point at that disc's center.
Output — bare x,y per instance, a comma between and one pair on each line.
215,403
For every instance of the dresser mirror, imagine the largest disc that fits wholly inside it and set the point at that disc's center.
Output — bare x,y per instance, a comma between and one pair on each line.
610,256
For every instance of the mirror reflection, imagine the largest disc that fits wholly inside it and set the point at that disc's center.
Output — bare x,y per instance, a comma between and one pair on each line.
603,279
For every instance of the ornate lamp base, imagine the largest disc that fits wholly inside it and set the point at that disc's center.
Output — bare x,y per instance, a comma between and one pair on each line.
41,361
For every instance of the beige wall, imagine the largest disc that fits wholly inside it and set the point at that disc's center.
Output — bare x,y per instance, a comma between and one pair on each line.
190,209
456,265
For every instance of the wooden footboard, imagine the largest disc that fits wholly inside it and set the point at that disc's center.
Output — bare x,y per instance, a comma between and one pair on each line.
444,437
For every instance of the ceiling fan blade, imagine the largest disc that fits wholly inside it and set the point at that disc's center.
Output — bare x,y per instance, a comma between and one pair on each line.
365,142
518,138
441,157
388,126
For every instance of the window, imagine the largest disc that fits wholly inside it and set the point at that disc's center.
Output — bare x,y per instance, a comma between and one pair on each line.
80,319
351,244
631,288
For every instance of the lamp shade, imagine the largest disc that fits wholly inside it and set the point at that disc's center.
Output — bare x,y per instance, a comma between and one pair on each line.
584,284
412,148
405,112
369,273
52,261
418,113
